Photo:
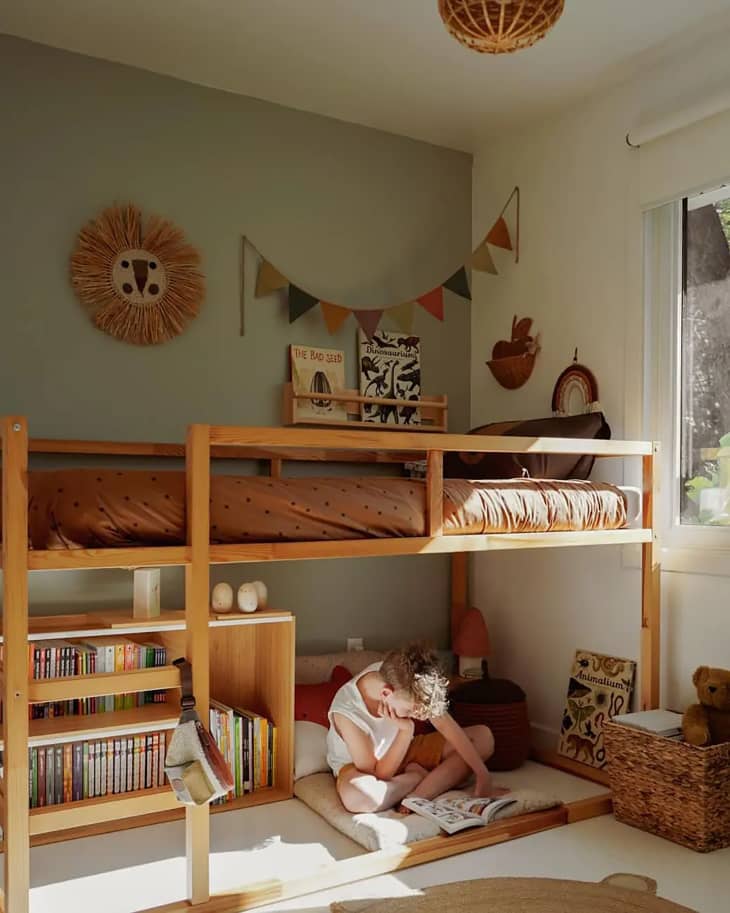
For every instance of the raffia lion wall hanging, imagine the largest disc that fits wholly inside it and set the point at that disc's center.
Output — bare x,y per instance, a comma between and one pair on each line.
140,283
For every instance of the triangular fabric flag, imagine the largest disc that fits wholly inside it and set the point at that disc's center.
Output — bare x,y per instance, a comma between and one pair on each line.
299,302
482,261
334,316
269,280
368,320
402,316
459,284
499,235
433,301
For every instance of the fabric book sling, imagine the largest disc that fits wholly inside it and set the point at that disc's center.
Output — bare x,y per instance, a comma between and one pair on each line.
197,771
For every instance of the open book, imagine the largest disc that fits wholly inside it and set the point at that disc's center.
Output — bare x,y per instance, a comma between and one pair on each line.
453,815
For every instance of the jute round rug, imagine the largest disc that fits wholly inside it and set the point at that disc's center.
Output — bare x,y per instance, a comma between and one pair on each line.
526,895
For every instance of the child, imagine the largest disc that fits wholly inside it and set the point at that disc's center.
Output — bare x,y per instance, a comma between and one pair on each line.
371,747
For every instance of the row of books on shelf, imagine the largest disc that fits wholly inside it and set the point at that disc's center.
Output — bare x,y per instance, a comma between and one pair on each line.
248,742
50,659
72,771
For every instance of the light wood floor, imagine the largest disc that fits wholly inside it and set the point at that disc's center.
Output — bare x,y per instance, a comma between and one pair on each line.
123,872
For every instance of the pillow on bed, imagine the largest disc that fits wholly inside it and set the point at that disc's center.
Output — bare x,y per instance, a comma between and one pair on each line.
538,465
310,749
312,702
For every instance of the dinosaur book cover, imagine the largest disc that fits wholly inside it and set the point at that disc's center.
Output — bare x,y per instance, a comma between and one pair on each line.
599,688
318,371
390,368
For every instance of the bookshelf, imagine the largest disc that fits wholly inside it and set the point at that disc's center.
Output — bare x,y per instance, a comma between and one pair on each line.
252,666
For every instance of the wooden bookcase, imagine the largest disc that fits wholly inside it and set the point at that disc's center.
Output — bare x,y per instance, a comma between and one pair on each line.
252,666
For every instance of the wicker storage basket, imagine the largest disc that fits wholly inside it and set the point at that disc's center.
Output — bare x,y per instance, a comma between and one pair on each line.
513,371
670,788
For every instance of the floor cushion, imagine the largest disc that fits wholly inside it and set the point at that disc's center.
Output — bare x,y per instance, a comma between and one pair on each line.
387,829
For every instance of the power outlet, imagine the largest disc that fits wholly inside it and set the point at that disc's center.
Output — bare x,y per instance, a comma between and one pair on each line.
354,644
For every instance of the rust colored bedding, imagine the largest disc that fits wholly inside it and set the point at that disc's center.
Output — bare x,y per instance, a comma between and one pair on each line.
83,508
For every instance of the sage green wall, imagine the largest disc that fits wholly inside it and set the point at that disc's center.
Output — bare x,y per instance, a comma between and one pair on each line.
356,216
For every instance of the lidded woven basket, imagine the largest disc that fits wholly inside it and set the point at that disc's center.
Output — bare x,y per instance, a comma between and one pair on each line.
499,26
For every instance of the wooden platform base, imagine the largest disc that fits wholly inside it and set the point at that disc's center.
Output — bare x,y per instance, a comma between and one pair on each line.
369,865
381,862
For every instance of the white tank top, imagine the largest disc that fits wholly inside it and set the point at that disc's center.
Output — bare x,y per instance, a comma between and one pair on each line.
348,702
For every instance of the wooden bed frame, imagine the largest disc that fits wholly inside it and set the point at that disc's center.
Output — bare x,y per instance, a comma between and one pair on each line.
277,445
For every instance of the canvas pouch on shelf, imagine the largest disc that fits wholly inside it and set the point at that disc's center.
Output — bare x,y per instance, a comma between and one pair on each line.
197,771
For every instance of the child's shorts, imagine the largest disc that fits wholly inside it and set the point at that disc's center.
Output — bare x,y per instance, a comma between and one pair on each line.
426,750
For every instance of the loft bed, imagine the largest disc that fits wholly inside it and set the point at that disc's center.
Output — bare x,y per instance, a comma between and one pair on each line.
199,550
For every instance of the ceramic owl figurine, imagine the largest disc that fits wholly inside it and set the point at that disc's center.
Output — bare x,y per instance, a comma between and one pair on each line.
222,597
248,599
261,593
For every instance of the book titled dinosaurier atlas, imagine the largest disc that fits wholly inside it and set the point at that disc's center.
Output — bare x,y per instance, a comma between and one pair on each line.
599,689
390,368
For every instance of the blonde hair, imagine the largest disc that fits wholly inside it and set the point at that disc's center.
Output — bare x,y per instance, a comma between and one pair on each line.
415,670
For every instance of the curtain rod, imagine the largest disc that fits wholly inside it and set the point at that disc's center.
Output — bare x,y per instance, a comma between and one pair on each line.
685,117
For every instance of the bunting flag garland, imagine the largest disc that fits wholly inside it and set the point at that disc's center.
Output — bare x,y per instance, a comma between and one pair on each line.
459,284
402,316
433,301
334,316
299,302
482,261
270,279
499,235
368,320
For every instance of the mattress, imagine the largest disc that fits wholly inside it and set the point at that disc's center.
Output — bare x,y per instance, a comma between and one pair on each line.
86,508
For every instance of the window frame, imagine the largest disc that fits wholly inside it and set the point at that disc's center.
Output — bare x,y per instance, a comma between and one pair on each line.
685,548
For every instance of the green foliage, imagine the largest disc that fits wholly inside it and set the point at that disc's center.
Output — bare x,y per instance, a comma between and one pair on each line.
695,486
723,210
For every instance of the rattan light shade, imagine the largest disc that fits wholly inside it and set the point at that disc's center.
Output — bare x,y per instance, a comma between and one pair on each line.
499,26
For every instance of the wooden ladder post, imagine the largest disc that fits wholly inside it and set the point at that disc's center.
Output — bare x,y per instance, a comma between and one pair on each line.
434,493
650,591
197,589
15,820
459,590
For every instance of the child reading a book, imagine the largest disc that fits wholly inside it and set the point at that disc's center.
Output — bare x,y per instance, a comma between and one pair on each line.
371,746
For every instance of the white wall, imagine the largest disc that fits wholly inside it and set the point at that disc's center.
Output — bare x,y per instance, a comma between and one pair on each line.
358,216
580,278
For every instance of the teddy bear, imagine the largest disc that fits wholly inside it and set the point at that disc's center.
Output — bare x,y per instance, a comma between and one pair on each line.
708,722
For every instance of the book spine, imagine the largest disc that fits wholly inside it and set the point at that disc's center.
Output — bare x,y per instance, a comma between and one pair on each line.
34,764
137,762
41,777
161,765
117,766
148,762
123,766
50,776
92,770
77,776
58,772
109,767
155,758
68,772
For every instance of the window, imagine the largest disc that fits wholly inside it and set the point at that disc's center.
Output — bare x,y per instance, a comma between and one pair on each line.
687,348
704,349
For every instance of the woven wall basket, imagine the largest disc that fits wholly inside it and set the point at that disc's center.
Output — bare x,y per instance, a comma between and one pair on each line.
499,26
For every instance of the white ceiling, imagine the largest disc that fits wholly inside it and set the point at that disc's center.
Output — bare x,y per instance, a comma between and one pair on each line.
388,64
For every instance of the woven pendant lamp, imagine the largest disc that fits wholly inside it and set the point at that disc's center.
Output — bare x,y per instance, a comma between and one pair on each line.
499,26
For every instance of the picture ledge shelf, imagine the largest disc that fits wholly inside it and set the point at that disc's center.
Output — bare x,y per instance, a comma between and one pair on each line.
433,409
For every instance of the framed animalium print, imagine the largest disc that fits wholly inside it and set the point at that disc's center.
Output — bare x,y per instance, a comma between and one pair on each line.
390,368
600,687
